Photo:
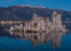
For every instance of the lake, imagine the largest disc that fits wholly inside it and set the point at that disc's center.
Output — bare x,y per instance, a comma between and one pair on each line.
19,41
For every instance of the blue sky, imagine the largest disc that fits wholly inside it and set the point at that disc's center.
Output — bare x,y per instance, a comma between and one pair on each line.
54,4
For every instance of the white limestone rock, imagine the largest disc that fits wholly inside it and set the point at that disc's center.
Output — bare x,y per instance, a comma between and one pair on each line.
57,23
41,24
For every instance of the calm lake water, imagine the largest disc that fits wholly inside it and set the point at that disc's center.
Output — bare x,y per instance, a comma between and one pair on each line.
54,41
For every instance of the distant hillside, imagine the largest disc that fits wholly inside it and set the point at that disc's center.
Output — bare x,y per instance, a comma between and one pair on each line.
26,12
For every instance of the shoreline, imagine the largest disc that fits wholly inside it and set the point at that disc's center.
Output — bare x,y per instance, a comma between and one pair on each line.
23,20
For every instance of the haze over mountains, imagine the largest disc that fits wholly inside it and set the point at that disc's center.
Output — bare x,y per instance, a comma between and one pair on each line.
26,12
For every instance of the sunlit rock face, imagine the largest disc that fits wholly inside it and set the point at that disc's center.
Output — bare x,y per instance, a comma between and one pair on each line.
48,24
41,24
57,23
36,23
56,19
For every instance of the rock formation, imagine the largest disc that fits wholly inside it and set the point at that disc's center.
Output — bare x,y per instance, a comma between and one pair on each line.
41,24
56,19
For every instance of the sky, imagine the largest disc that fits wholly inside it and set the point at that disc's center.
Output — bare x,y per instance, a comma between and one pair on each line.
53,4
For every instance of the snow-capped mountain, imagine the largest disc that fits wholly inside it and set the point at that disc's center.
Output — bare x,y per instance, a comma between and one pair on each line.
29,6
26,12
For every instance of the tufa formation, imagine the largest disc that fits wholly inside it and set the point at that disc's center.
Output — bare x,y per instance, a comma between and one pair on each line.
40,24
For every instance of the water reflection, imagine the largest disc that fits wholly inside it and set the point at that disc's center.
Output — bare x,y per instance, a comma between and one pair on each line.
40,38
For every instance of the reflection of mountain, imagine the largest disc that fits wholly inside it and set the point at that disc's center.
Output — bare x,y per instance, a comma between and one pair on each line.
40,38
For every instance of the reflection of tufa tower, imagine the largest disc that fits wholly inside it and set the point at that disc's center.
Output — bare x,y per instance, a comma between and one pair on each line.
40,38
56,40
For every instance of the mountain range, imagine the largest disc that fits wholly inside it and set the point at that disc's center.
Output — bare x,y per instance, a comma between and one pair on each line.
26,12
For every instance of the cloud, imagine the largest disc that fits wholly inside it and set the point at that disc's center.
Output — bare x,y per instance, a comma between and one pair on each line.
6,1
